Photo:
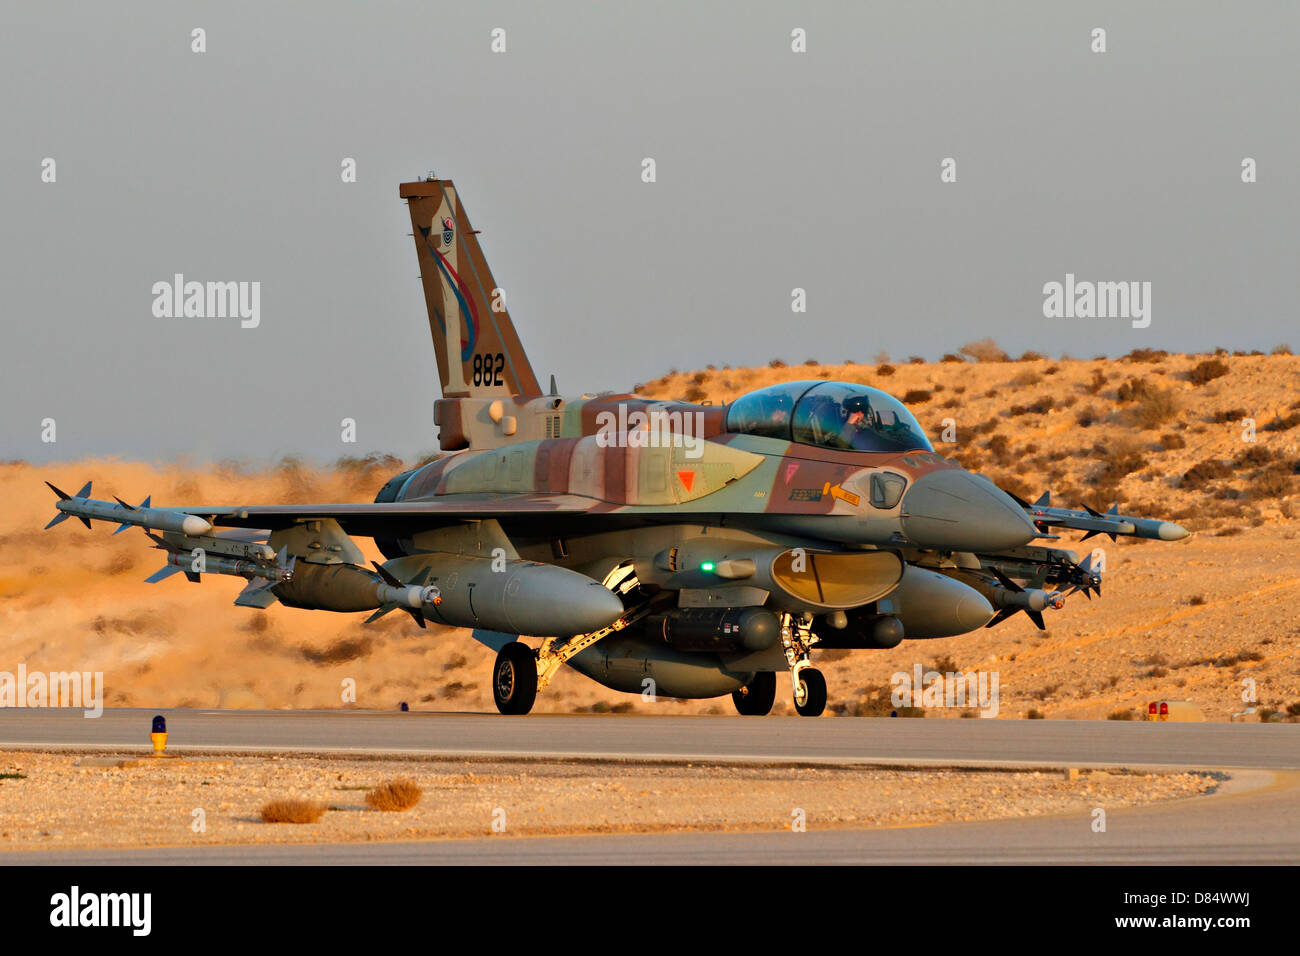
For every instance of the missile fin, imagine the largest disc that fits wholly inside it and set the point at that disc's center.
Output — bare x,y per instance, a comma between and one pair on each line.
1037,618
1044,500
383,609
84,492
1006,582
193,576
256,595
61,516
164,572
122,527
63,495
387,575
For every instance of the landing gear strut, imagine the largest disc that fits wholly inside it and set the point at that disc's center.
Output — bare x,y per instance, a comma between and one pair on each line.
755,699
807,683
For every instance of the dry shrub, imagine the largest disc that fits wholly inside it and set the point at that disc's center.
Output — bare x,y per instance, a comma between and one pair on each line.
1039,407
949,357
1087,417
1283,423
1202,473
1133,390
916,396
395,795
1098,381
1256,456
1272,482
292,811
885,370
1207,371
1154,409
1032,356
1146,355
984,350
1171,441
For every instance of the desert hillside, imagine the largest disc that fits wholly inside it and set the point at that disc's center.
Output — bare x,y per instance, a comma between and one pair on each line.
1162,435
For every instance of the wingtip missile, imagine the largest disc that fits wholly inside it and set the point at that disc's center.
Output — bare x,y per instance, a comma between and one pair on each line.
144,515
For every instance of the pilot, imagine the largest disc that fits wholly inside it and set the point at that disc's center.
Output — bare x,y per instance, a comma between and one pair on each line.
855,421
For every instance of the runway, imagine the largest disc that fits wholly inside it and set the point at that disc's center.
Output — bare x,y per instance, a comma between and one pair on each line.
949,742
1253,820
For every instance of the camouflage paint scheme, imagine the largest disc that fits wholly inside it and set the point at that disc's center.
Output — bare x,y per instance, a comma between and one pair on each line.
643,540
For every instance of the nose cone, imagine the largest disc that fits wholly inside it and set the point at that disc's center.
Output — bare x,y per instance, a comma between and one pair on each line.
972,611
955,510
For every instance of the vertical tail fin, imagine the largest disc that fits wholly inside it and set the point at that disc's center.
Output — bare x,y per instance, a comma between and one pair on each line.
478,351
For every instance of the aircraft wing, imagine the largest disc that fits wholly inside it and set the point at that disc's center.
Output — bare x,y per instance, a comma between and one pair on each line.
366,520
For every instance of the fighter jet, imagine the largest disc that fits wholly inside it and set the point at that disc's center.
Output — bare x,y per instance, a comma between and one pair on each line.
658,547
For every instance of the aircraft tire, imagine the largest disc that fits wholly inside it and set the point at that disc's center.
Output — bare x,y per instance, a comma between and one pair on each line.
755,699
514,679
814,701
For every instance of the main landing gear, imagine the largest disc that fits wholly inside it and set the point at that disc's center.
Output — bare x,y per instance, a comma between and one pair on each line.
755,699
808,686
520,672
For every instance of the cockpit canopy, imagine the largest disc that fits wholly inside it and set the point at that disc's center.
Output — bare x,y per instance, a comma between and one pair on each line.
829,414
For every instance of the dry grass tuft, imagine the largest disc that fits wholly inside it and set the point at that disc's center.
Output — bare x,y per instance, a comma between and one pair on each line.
292,811
399,794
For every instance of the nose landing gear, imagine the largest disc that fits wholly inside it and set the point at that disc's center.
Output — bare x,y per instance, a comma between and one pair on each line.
807,683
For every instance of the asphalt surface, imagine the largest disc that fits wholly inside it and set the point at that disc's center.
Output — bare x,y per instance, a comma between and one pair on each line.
1254,819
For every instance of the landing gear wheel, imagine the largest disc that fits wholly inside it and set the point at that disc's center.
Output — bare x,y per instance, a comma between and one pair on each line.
812,701
755,699
514,678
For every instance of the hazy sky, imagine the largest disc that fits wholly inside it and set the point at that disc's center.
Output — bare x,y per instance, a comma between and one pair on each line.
775,170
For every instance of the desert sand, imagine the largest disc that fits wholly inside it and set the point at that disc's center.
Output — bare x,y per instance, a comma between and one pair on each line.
216,799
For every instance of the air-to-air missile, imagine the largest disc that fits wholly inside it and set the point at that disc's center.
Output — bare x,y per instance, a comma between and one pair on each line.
140,516
1094,522
216,564
1033,600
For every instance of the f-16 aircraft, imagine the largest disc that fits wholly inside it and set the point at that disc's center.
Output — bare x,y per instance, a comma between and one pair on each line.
685,550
